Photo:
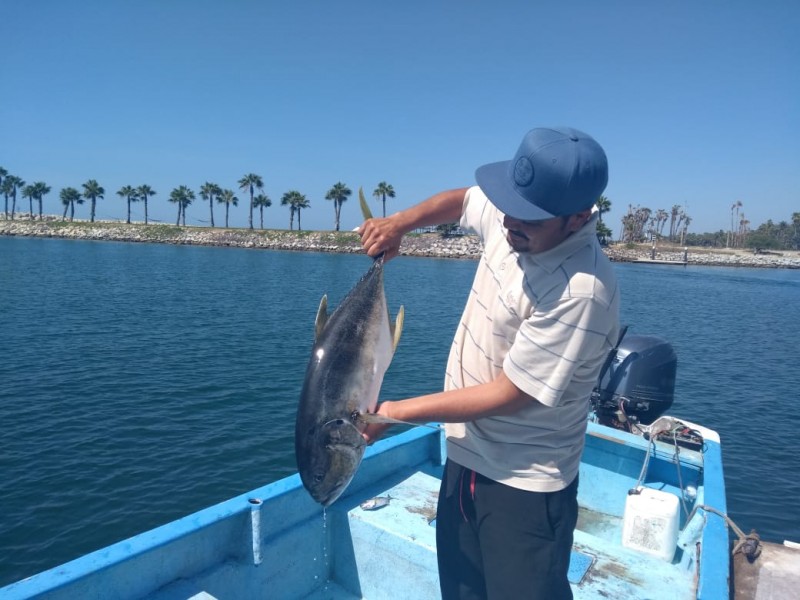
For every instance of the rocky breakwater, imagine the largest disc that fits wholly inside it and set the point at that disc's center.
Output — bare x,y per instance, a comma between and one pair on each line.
702,256
424,244
428,244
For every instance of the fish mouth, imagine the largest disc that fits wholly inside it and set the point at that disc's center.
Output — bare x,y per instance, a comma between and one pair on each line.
342,445
327,495
329,499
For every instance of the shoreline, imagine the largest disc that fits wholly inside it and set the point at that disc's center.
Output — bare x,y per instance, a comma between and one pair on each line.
429,245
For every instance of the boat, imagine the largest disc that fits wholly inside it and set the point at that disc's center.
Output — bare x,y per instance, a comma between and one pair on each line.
652,521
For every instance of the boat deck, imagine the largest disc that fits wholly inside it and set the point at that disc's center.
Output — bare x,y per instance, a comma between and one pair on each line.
277,542
389,542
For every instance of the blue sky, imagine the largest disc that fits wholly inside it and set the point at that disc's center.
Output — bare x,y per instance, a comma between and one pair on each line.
696,103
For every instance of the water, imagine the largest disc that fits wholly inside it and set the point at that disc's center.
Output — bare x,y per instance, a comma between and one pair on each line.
139,383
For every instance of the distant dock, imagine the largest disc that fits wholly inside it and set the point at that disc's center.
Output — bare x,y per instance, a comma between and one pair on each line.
655,261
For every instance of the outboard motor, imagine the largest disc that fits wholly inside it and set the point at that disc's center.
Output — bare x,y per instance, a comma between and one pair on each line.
637,382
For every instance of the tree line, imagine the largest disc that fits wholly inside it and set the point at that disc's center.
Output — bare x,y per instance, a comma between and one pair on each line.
182,196
641,224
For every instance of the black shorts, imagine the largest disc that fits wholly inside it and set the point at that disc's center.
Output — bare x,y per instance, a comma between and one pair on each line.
498,542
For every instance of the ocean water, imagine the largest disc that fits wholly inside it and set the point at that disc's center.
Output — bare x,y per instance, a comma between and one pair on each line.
139,383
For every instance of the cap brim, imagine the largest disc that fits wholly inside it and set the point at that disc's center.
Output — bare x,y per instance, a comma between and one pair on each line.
494,180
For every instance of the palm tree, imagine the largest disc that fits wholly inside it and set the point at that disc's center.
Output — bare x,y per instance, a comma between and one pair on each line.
5,188
295,200
29,192
143,192
633,224
661,220
129,193
603,206
302,202
3,173
744,227
796,223
64,195
42,189
209,191
175,198
603,232
182,196
738,206
69,196
262,201
339,194
383,191
734,207
92,191
227,198
251,181
674,221
11,184
286,200
686,221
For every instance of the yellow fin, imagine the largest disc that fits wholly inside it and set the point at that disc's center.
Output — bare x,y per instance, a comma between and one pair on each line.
397,328
322,317
364,206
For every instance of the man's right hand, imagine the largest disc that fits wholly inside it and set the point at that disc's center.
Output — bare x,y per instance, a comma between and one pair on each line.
385,235
380,235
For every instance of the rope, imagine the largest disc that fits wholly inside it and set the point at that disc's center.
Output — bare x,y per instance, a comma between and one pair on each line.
748,544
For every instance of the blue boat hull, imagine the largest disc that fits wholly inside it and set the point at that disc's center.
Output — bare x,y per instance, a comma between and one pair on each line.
277,542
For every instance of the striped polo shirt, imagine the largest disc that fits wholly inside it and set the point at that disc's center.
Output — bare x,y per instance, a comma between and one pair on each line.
548,320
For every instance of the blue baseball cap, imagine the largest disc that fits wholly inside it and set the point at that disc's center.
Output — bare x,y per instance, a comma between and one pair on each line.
556,172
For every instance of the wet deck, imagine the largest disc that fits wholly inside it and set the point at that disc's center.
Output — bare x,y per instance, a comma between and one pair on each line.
600,567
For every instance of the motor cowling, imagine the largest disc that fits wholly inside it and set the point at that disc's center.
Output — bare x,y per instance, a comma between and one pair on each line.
637,382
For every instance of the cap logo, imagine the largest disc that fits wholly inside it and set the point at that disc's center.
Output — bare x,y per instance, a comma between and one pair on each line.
523,171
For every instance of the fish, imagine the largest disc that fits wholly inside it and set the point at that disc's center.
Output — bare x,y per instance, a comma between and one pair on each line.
375,503
352,350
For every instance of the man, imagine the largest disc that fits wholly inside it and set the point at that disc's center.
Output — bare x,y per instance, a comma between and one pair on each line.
540,320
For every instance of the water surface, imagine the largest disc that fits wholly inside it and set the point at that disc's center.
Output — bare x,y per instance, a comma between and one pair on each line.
139,383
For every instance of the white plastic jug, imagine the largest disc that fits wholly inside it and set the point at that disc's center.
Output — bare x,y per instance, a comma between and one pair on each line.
651,523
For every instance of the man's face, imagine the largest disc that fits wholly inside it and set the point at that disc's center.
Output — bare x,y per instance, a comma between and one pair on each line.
539,236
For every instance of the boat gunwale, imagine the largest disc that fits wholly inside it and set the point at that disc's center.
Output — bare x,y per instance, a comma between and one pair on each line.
712,572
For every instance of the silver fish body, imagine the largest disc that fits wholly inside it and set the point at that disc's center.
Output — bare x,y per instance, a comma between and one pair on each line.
351,352
376,503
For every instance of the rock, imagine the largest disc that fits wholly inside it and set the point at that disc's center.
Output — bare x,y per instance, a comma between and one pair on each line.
424,244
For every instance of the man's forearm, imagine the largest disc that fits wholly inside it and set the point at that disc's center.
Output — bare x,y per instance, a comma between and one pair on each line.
498,397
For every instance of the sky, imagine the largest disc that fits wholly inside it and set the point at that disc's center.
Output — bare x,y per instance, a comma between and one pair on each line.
696,103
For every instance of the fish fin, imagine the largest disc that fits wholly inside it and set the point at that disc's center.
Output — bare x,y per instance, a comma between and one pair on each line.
397,328
322,317
364,206
367,215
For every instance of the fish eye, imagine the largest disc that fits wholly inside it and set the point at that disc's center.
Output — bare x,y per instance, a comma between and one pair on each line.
319,477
